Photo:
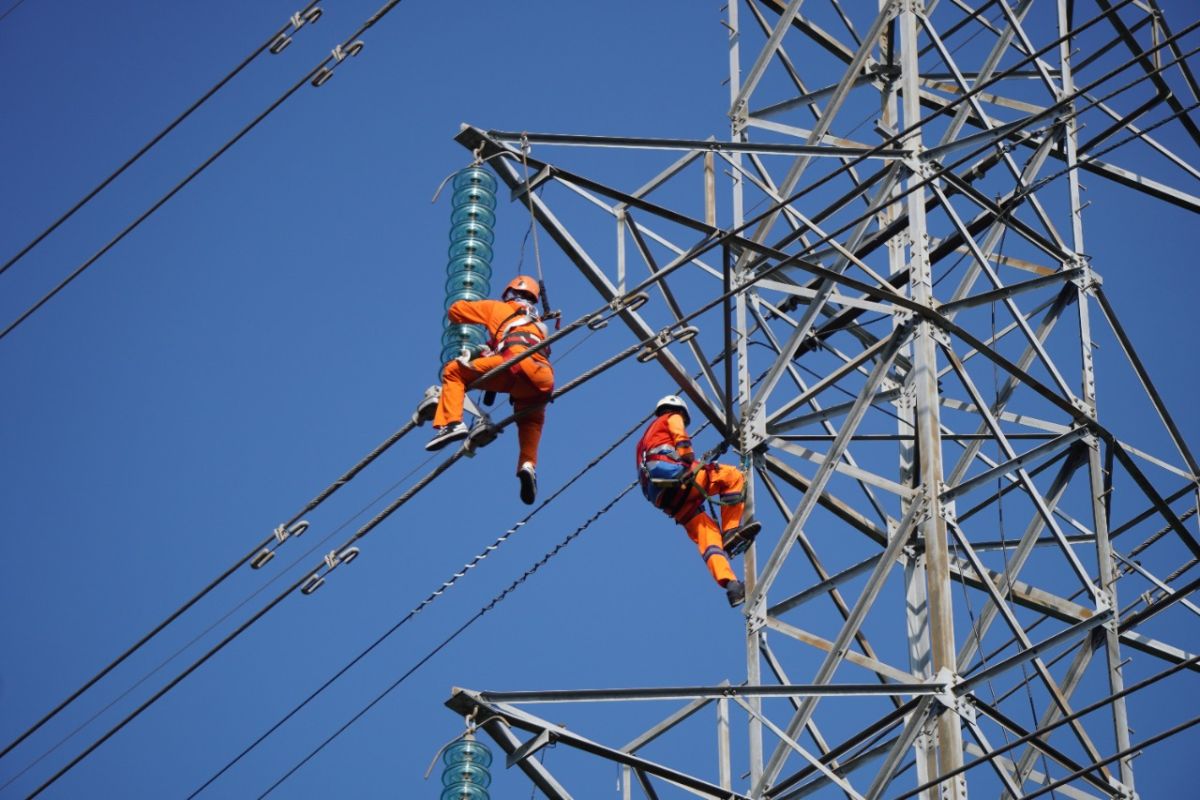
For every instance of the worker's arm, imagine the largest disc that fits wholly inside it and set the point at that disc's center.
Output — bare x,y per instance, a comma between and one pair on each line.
680,438
474,312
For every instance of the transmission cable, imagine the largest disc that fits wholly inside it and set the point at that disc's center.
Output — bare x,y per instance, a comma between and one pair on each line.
275,43
11,9
211,627
320,74
286,530
317,76
492,604
708,243
343,554
445,642
447,584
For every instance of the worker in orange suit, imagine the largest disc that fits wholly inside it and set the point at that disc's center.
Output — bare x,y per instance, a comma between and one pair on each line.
513,325
672,480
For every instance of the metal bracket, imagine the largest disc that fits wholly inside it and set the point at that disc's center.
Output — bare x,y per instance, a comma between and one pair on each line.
529,748
543,175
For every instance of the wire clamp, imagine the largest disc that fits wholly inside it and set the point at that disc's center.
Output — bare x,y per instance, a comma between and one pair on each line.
343,556
297,21
340,54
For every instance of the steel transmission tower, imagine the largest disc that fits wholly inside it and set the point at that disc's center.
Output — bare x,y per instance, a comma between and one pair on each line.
961,549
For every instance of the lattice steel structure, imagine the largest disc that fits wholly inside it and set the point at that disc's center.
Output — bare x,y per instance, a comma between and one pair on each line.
911,310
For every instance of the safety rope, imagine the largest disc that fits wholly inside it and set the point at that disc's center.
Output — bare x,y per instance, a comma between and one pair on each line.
537,254
491,605
307,15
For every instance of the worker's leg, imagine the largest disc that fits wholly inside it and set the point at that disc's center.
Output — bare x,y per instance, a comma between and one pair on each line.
530,392
456,378
530,421
727,486
702,530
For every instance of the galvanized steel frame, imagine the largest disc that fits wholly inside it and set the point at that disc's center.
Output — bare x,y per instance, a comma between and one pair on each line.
946,137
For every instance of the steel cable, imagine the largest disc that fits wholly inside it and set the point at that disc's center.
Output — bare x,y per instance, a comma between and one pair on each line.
342,51
434,595
301,16
211,627
445,642
174,615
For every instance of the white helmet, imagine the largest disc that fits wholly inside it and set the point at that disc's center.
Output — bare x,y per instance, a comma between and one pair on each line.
675,402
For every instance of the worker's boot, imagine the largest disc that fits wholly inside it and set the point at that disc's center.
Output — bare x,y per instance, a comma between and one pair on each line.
735,592
453,432
528,477
738,540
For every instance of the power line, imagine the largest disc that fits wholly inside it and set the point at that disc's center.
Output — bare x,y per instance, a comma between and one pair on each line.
306,14
281,533
315,546
317,76
462,572
13,8
445,642
316,576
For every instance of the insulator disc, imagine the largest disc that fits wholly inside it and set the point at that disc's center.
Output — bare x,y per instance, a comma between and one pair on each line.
465,750
466,772
474,212
476,248
472,230
473,194
465,791
467,282
469,264
474,176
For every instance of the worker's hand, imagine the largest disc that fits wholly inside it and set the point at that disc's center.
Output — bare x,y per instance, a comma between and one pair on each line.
687,458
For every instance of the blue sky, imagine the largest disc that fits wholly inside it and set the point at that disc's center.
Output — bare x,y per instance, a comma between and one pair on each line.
280,317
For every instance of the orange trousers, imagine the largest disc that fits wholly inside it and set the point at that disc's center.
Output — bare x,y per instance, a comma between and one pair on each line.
529,389
727,484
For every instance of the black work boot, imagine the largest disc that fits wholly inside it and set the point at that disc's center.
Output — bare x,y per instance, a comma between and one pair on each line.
738,540
736,593
528,477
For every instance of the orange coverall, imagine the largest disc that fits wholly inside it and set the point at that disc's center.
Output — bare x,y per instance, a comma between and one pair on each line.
721,480
528,382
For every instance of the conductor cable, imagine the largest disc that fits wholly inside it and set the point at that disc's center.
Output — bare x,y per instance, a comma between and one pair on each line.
318,75
309,14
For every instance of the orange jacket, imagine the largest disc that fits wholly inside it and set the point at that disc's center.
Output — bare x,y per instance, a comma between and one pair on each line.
666,439
510,326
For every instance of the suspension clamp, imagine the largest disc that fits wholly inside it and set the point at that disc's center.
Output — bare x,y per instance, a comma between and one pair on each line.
340,54
281,534
297,20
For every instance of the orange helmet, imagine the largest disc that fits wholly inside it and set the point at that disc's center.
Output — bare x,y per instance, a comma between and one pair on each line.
523,284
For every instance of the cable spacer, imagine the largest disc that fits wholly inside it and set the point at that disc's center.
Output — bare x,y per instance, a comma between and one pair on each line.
323,75
261,558
633,302
311,584
341,54
655,346
687,334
